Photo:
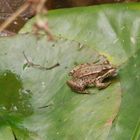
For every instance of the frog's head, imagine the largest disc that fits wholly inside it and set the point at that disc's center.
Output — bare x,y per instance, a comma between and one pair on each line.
113,71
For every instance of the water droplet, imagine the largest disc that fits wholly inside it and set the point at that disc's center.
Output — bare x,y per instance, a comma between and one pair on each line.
133,40
29,106
81,45
15,22
65,120
43,84
27,91
115,41
15,108
26,18
57,133
127,7
5,74
3,107
14,91
135,65
123,27
137,77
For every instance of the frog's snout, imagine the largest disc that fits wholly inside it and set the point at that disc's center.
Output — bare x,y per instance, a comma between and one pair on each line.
115,73
70,83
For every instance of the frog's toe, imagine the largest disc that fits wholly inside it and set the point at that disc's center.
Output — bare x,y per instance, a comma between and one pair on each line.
84,92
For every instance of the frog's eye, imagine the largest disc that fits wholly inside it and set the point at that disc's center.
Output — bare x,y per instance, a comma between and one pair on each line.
71,72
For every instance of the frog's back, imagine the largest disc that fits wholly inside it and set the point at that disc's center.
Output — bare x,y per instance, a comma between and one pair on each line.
90,70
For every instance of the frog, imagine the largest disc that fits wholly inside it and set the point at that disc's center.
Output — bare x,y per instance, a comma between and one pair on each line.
91,74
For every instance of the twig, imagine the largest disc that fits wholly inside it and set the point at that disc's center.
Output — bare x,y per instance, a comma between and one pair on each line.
40,6
41,25
31,64
45,106
37,5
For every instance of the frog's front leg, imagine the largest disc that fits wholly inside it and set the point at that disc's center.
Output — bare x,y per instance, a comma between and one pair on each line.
99,81
101,85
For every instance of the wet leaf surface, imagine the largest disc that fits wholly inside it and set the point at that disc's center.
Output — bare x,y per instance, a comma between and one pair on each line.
54,111
113,30
127,121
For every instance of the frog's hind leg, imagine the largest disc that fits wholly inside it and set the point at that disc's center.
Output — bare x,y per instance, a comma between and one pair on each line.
77,86
83,92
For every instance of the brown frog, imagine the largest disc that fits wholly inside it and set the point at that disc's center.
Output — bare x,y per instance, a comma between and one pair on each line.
89,74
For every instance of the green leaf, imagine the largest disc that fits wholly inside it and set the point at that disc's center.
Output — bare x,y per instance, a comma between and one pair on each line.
39,103
6,133
111,29
127,124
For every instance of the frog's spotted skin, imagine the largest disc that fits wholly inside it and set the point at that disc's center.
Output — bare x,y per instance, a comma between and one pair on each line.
89,69
85,75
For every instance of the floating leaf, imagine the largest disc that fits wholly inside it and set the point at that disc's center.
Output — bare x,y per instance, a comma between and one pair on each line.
40,103
113,30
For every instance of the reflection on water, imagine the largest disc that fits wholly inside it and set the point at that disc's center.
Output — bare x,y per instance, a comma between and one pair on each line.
13,98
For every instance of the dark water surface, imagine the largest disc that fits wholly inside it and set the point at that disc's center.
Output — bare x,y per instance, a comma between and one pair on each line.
14,98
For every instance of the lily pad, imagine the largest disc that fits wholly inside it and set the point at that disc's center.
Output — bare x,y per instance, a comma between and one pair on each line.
38,104
113,30
127,123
